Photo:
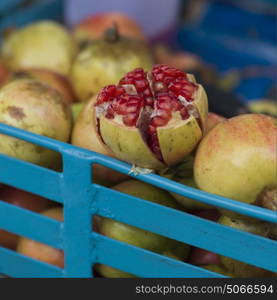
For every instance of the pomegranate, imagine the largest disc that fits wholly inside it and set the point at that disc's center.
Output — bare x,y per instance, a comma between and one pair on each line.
94,26
40,251
44,44
212,120
200,256
179,60
22,199
237,158
35,107
84,135
105,61
152,119
263,106
4,73
238,268
268,198
54,79
138,237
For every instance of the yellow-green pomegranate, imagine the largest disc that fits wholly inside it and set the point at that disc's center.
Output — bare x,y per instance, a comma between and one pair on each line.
138,237
35,107
45,44
54,79
263,106
238,268
84,135
237,159
105,61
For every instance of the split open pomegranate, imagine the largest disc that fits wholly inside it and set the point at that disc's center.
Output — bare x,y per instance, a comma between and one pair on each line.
152,119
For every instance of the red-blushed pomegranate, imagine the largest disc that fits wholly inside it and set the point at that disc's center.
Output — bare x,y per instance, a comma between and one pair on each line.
237,158
152,119
200,256
181,60
41,251
94,26
24,200
85,135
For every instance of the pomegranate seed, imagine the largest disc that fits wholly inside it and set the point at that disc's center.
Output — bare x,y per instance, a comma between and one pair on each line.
159,121
130,119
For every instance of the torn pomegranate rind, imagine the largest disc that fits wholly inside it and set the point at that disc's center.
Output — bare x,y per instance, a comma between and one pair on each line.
127,144
150,123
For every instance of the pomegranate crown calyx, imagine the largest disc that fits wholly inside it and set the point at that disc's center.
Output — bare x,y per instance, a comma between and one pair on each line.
112,34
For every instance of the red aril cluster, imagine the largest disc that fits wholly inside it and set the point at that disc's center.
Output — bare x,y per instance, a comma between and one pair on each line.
152,101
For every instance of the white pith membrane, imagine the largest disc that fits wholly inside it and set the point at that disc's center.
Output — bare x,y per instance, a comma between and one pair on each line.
147,113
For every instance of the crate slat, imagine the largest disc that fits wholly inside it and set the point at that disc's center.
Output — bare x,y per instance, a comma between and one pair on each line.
196,194
16,265
29,224
143,263
186,228
33,179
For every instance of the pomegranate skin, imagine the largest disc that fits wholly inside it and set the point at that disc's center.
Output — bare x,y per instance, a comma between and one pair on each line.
94,26
4,73
44,44
85,135
105,60
237,158
53,79
33,106
200,256
212,120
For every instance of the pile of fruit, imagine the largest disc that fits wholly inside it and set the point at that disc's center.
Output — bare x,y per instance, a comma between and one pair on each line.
100,87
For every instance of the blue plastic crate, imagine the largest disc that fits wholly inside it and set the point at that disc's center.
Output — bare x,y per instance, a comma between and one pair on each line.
43,9
6,5
234,35
82,199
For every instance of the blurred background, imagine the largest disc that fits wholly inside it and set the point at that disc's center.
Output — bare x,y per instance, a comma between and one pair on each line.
229,44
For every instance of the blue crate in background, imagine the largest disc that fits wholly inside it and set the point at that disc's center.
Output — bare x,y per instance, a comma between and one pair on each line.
6,5
17,15
82,199
234,37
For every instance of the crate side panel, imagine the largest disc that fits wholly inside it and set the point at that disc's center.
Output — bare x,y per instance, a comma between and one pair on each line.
16,265
144,263
187,228
31,178
196,194
29,224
